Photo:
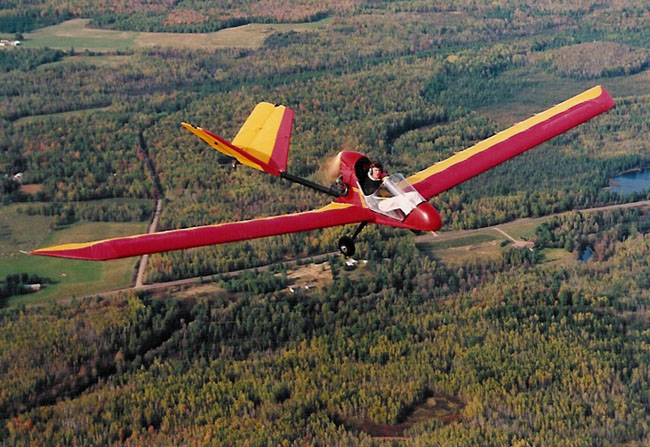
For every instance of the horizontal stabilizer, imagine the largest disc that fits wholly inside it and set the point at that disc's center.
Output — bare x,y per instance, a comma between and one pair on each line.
262,142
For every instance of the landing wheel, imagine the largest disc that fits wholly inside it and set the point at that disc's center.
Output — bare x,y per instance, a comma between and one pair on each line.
346,246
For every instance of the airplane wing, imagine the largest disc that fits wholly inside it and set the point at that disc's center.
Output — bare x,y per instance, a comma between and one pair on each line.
329,216
511,142
262,142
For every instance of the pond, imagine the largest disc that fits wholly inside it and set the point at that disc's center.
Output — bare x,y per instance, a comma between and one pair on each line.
587,254
630,182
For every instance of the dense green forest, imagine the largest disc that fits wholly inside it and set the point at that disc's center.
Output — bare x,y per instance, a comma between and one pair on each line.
534,352
538,355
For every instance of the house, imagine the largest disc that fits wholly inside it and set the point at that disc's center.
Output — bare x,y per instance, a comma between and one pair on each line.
351,262
9,43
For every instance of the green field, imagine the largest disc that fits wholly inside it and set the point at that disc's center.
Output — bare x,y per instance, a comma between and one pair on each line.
455,242
523,228
558,256
21,233
76,34
34,118
456,247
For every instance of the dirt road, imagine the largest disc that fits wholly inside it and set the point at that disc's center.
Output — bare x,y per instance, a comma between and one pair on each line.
142,266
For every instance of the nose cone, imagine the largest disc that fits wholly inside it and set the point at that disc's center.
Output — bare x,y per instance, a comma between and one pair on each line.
424,218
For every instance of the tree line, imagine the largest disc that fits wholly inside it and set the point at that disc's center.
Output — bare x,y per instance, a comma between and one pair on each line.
598,231
20,284
103,211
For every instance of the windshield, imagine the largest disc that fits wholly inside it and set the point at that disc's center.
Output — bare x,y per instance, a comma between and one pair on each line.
395,198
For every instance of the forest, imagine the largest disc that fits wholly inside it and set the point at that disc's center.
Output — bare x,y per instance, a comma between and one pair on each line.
534,352
538,354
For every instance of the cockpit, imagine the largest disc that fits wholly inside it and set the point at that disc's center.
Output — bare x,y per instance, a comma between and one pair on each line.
395,198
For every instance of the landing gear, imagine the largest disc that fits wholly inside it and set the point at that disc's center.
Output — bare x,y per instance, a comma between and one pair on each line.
346,246
346,243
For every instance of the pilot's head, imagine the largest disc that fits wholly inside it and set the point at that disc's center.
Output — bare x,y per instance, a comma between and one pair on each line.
376,171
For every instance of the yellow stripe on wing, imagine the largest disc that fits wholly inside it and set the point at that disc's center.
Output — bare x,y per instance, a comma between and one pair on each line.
64,247
333,206
80,246
505,134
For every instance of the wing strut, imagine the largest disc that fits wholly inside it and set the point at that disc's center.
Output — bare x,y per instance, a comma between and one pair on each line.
338,189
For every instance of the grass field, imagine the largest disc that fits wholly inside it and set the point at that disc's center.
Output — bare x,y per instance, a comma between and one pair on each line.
558,256
458,241
523,228
459,255
35,118
458,246
75,34
20,233
72,278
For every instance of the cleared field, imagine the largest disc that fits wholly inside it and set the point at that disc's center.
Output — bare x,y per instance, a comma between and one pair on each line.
459,255
96,60
73,278
440,408
35,118
523,228
558,256
456,247
76,34
459,246
457,242
19,231
314,275
31,189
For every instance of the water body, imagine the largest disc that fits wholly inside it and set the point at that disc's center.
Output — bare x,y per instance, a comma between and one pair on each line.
587,254
630,182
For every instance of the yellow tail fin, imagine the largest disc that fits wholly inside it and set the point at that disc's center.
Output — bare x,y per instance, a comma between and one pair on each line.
262,142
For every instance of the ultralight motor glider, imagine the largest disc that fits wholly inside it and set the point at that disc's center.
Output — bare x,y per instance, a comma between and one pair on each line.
263,143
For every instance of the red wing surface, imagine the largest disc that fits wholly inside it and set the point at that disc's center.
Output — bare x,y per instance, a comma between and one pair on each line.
123,247
511,142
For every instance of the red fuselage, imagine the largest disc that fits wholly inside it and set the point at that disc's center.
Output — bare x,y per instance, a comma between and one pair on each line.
353,165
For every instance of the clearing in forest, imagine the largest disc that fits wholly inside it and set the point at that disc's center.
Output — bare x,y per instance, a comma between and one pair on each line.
76,34
20,233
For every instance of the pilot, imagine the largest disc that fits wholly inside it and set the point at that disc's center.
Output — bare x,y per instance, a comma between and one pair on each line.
374,179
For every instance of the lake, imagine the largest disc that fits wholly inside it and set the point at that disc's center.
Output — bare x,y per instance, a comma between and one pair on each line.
630,182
